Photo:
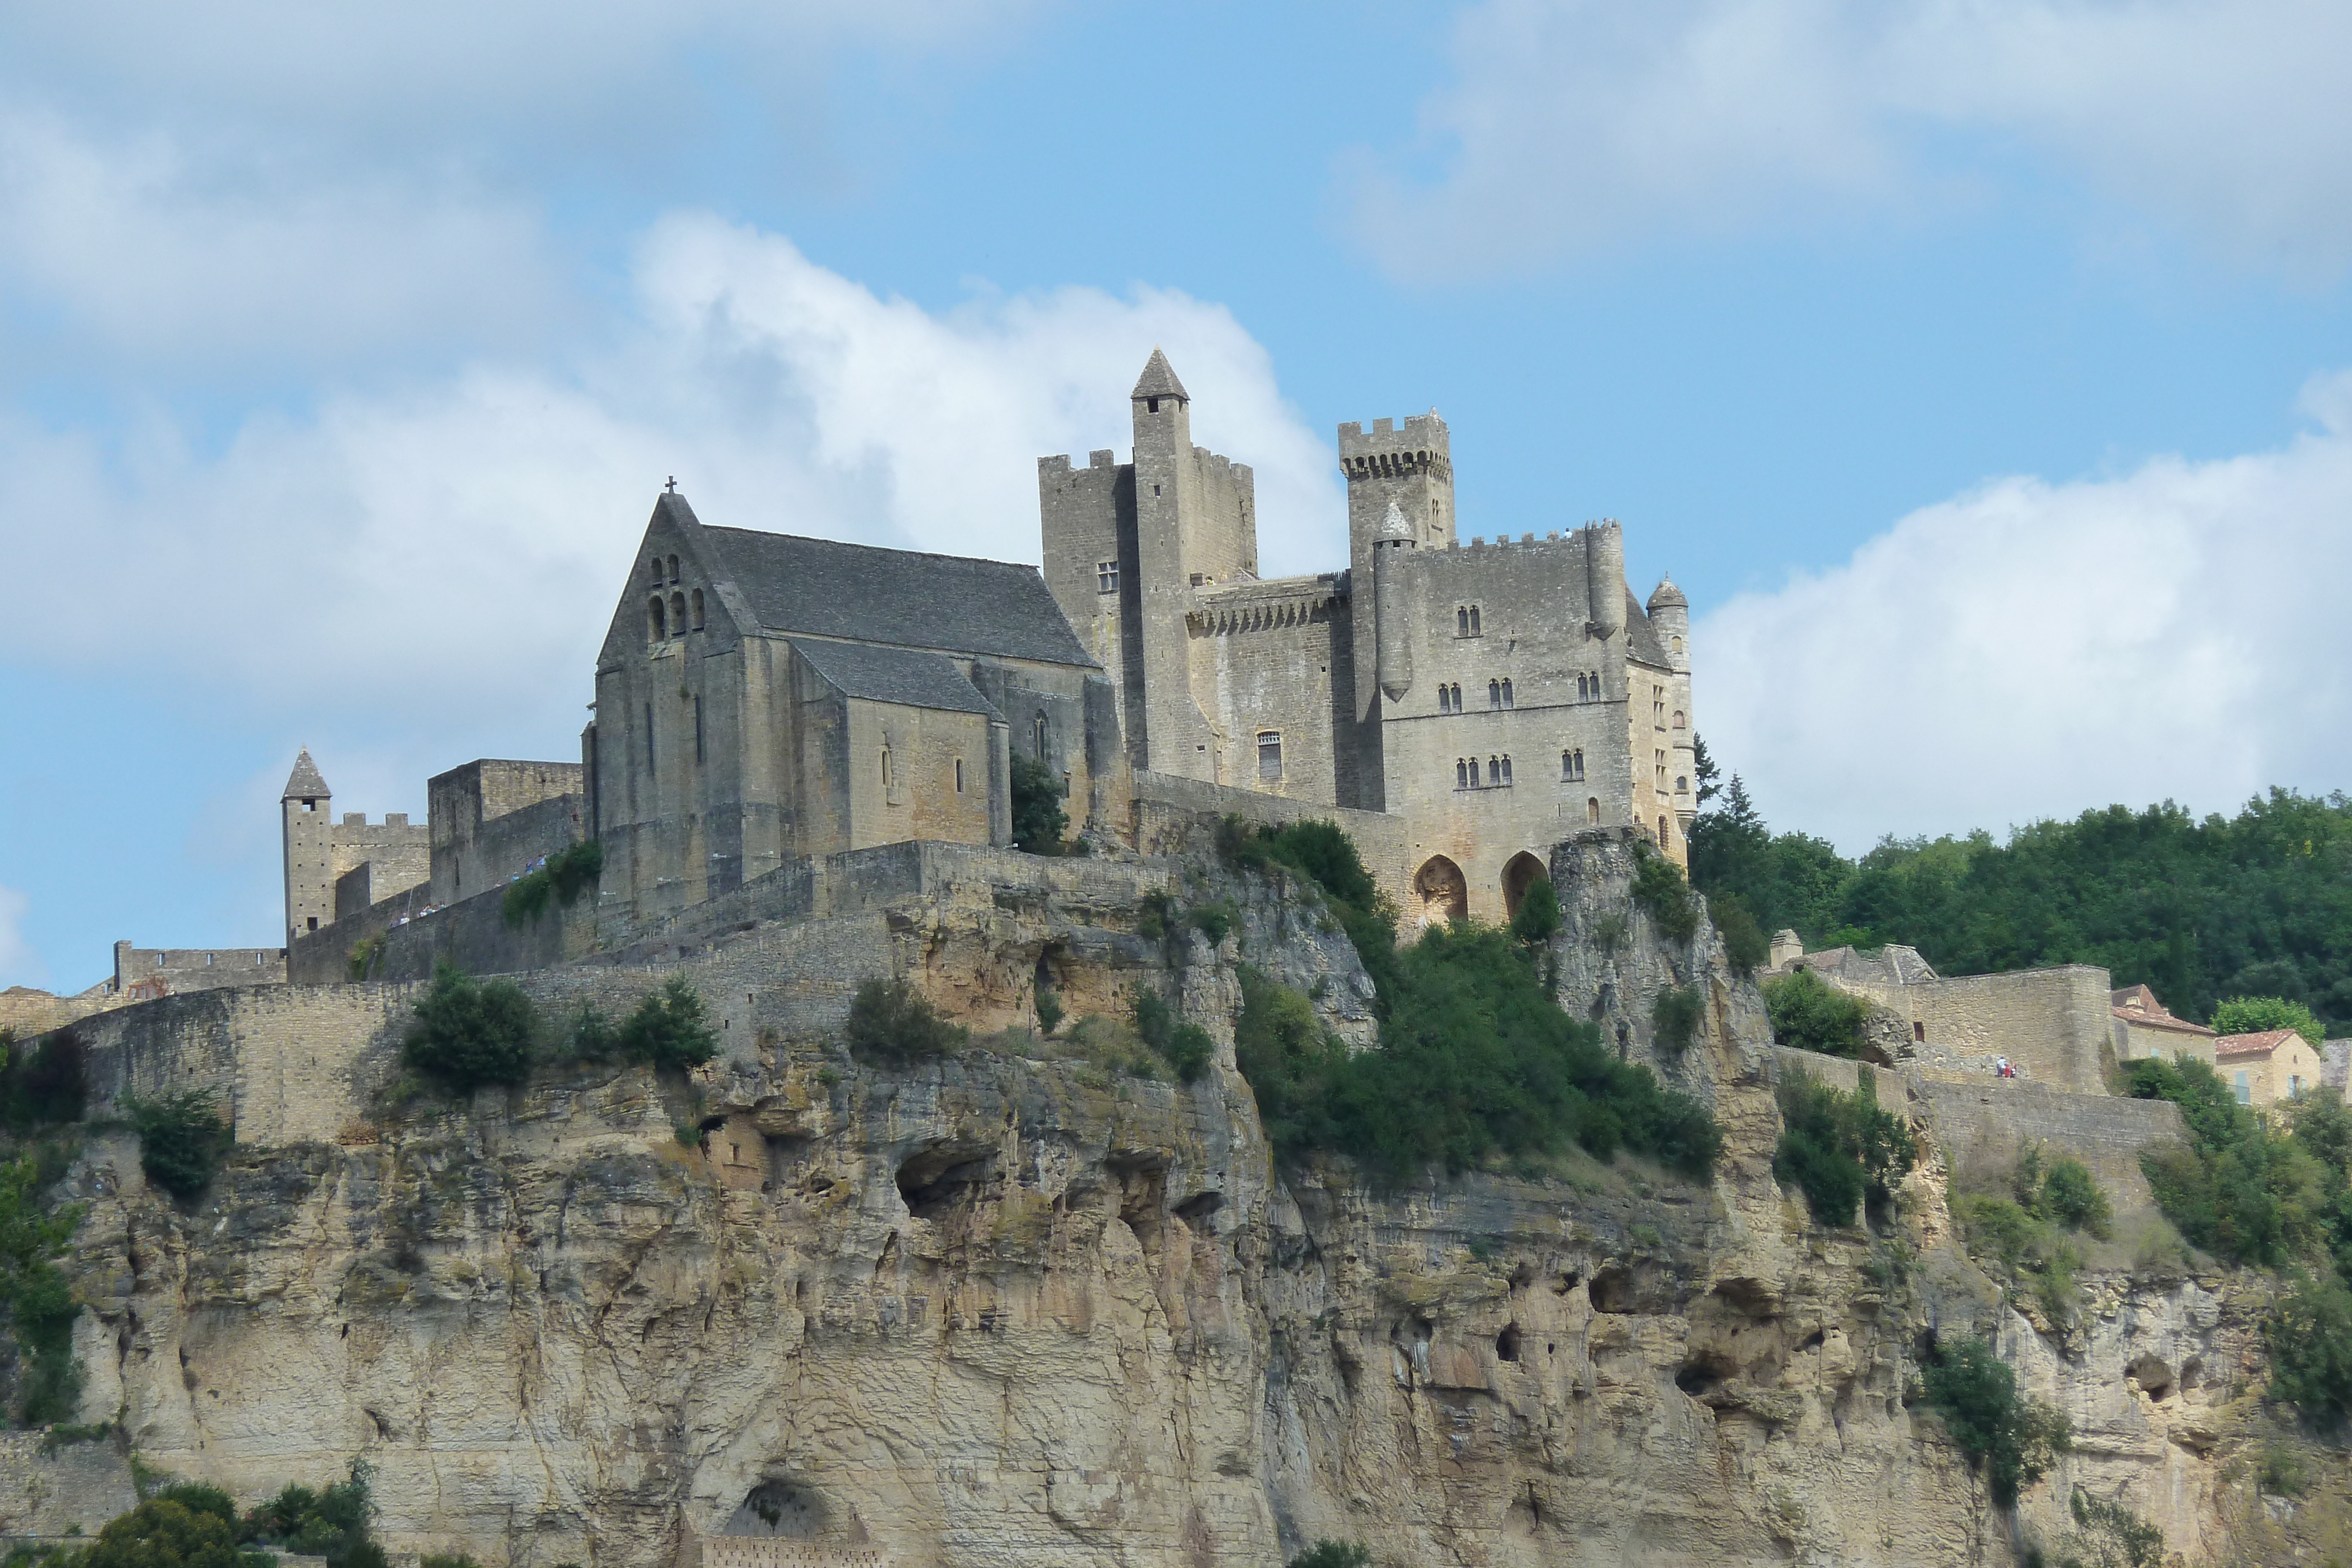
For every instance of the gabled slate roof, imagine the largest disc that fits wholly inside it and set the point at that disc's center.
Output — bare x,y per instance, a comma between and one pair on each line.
902,675
304,783
1159,378
957,603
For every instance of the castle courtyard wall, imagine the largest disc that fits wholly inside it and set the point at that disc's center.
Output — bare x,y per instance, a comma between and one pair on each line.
1984,1126
2056,1025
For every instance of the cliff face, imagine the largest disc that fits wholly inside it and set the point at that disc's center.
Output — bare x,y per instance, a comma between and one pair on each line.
1012,1309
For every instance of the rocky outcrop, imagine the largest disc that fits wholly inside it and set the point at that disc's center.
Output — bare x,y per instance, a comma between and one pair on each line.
1015,1307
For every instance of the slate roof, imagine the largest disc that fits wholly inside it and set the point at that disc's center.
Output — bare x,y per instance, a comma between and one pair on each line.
901,676
826,588
1667,593
1159,378
2258,1044
304,783
1641,637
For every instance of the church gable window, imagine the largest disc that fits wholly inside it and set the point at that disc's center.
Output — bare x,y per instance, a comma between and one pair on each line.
1038,737
656,566
673,568
657,620
678,613
697,610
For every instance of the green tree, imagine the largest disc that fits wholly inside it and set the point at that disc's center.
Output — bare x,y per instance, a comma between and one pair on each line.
2256,1015
1839,1149
163,1533
2011,1439
1745,946
471,1033
1038,820
1334,1554
38,1298
1537,920
1659,888
2309,1332
1808,1013
182,1138
893,1024
669,1029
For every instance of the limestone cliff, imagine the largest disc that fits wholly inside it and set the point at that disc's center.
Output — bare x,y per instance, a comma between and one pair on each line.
1015,1308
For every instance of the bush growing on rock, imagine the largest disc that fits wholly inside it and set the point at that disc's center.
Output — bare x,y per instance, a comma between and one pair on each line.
1038,820
1675,1017
1839,1149
1185,1047
1327,857
329,1521
471,1033
1745,946
1537,919
568,873
1660,890
669,1029
41,1084
1808,1013
2011,1439
164,1532
891,1024
1334,1554
182,1138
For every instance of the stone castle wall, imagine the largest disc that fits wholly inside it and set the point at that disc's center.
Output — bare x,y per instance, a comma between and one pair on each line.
144,973
2054,1025
1985,1125
1170,812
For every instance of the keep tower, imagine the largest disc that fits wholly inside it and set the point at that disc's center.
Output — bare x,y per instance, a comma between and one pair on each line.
309,841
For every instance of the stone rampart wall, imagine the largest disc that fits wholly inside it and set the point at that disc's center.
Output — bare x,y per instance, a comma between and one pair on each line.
1841,1073
1984,1125
1170,812
471,934
2055,1026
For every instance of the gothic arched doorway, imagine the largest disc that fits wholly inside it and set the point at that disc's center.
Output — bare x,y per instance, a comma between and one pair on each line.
1517,877
1443,892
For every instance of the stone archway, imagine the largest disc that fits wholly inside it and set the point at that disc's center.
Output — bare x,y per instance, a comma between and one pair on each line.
1517,877
1442,891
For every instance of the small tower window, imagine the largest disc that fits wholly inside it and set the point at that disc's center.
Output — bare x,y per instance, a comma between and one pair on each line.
959,775
1474,622
1508,701
1581,689
697,731
1494,772
1571,765
1660,759
1679,720
1663,841
1445,700
1593,813
697,610
1682,783
1151,405
673,568
1038,734
1457,697
1678,644
1269,756
1462,621
885,767
650,758
1494,694
1460,774
1105,577
657,620
1507,769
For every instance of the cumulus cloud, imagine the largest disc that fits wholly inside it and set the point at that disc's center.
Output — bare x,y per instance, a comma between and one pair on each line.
155,249
453,551
2030,650
1577,125
19,965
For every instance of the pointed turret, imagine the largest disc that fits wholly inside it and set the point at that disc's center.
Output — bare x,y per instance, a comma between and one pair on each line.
1159,380
304,783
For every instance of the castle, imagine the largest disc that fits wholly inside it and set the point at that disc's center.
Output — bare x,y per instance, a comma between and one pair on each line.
764,699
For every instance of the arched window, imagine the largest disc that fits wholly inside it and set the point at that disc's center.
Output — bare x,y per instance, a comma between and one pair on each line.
1593,813
1506,770
1682,783
1494,694
1462,621
1495,772
656,565
1457,697
1445,700
678,612
1037,732
1580,688
1678,644
673,568
697,610
1474,622
1567,766
1679,720
1508,701
1460,774
657,620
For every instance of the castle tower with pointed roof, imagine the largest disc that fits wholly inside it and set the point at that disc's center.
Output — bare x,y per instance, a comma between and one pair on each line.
352,863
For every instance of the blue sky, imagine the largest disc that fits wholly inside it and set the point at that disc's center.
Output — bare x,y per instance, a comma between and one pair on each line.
1979,372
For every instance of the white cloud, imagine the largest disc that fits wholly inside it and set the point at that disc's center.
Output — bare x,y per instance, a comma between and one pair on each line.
2031,650
446,558
167,255
19,965
1575,125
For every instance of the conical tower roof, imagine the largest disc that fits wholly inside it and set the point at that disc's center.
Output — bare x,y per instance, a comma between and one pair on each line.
304,783
1667,593
1159,378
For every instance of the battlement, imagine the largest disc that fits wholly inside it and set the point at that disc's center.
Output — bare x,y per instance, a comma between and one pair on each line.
1504,541
1101,457
1422,446
359,819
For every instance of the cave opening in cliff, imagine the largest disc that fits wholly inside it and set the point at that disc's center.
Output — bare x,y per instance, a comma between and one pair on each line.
1507,1343
937,1181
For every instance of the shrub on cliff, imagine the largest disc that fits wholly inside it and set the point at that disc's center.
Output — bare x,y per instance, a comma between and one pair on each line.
1537,919
164,1532
34,1293
1185,1047
2011,1439
568,873
1808,1013
1334,1554
1675,1017
2310,1337
1745,946
40,1083
892,1024
1038,820
1661,891
1839,1149
469,1033
1327,857
326,1522
182,1138
669,1029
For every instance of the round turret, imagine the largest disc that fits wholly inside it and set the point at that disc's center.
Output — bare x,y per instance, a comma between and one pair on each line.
1667,593
1394,526
1669,614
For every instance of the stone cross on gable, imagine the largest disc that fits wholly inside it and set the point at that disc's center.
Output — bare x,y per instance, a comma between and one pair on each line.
672,486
